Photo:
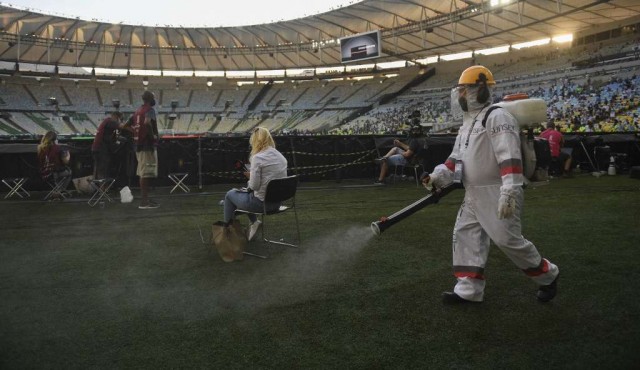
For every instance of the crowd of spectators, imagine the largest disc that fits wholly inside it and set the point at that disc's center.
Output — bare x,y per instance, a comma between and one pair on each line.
394,119
574,106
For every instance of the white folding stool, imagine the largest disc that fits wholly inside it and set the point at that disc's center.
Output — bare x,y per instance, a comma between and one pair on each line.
101,187
15,187
56,188
178,179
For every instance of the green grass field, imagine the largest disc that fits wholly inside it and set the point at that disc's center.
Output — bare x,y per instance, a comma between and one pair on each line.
118,287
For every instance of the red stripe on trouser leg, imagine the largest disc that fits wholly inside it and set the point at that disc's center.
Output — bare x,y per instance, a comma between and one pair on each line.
473,275
543,268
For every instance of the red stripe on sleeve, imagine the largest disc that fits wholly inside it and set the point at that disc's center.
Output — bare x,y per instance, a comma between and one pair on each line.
450,165
510,170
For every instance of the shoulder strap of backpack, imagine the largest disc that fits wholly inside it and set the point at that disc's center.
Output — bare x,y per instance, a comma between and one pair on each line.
486,115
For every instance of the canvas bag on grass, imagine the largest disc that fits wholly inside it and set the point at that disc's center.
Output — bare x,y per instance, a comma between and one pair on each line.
125,195
230,241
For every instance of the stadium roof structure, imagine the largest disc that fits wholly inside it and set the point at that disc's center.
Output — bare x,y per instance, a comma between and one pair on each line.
410,30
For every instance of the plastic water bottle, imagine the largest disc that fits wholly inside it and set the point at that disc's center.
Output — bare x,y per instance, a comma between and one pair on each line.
612,166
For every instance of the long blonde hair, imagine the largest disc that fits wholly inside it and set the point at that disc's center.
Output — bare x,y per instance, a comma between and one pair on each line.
46,142
260,140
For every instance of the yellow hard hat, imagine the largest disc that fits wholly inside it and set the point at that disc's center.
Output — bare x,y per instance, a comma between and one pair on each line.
476,74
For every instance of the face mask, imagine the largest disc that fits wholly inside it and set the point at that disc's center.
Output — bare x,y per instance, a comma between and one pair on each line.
152,102
456,103
55,141
463,103
471,98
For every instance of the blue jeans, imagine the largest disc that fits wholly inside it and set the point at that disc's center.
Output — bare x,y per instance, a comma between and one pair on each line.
237,199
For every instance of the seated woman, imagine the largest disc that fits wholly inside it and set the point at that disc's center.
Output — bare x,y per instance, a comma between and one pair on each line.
53,161
266,164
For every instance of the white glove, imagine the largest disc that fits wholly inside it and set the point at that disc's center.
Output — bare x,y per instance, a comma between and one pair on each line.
440,177
427,181
506,205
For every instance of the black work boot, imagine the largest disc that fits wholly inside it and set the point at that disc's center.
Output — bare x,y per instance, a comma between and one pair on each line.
547,292
451,298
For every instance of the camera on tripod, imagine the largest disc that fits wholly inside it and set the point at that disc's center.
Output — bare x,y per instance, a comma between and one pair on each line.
413,121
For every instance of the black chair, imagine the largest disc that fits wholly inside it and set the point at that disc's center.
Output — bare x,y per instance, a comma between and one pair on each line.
281,191
555,167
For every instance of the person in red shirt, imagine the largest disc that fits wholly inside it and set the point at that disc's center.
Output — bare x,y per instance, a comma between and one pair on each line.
144,125
103,142
556,142
54,161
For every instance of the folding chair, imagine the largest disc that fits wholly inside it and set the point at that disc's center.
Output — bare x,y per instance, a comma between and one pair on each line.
281,191
178,179
411,165
57,187
15,187
101,187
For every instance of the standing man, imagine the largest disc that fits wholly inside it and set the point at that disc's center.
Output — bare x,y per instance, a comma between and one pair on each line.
102,144
556,142
145,136
487,160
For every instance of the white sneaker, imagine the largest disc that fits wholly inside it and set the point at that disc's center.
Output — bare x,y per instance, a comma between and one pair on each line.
253,230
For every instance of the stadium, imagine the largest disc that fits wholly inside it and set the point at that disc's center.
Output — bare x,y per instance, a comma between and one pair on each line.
106,285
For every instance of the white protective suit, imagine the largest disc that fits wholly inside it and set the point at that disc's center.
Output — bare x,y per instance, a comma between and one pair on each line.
492,174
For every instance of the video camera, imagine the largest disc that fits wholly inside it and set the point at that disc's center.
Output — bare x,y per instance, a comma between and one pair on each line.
413,121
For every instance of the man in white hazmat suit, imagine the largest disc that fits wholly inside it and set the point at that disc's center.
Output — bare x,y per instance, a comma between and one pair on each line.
488,162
